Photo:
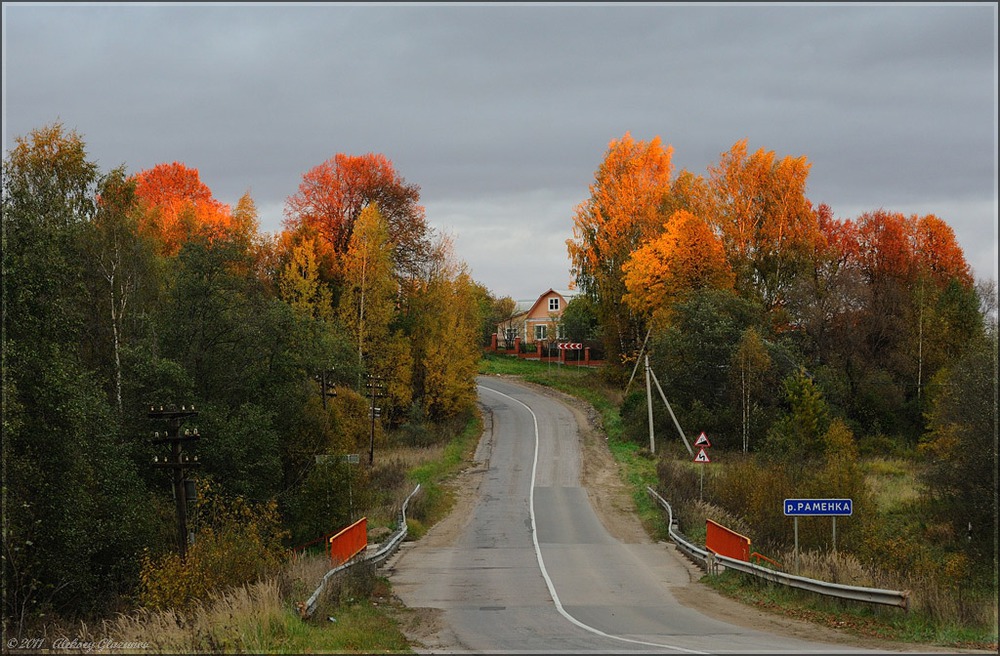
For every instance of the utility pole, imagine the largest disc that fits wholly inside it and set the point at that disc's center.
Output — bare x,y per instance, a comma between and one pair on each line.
177,461
326,389
649,408
377,390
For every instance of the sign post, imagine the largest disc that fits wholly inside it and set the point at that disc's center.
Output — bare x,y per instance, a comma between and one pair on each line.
832,508
702,457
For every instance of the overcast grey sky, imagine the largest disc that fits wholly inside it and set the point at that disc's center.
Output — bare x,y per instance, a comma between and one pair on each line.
501,113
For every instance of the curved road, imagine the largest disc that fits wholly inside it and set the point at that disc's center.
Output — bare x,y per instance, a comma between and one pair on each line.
534,570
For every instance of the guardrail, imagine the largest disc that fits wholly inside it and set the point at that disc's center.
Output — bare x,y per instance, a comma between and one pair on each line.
708,561
307,608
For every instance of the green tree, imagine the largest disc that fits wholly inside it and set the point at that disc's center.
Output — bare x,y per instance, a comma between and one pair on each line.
692,360
748,371
579,319
798,436
123,276
960,449
72,499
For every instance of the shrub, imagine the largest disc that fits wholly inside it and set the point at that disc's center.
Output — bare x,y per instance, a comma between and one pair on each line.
236,544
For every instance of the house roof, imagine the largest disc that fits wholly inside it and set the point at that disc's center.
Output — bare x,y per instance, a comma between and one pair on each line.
526,306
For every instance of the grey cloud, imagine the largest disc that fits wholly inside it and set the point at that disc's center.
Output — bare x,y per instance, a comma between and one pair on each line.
893,104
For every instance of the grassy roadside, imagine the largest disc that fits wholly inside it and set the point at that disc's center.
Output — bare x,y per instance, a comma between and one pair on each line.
260,618
889,478
367,619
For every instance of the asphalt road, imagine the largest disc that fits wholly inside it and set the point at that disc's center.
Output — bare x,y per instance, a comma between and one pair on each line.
533,570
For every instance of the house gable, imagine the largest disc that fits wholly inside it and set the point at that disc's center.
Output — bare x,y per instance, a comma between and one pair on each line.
544,311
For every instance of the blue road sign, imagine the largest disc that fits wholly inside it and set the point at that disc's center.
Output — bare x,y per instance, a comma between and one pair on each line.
810,507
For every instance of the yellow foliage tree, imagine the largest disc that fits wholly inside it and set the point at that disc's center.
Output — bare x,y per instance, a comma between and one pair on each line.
446,345
757,203
369,297
300,285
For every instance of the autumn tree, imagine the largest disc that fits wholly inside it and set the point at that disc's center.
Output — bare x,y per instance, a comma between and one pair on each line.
300,285
245,221
177,206
623,211
368,300
332,196
827,298
920,307
686,257
758,205
445,346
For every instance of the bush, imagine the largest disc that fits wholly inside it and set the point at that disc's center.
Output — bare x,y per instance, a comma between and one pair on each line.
678,482
236,544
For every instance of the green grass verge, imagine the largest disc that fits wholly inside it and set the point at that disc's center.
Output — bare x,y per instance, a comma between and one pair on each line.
864,621
359,628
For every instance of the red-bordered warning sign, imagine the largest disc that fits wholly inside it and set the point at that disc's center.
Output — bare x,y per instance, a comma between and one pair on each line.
702,456
702,441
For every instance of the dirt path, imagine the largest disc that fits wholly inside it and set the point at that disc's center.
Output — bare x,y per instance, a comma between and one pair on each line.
613,504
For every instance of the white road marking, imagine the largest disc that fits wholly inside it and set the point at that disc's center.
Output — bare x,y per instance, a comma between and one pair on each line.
541,561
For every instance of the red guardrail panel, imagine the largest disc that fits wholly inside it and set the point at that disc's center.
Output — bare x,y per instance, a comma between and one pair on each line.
349,542
725,542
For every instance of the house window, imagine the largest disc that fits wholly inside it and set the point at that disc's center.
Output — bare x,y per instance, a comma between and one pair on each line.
540,331
553,305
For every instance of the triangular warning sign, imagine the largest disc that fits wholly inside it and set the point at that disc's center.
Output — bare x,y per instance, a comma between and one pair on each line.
702,441
702,456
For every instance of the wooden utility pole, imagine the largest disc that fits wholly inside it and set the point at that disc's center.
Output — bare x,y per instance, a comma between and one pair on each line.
177,461
326,388
377,390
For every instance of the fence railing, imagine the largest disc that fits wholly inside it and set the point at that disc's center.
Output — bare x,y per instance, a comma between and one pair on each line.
377,558
710,561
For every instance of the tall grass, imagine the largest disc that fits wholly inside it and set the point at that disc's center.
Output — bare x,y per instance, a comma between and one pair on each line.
249,619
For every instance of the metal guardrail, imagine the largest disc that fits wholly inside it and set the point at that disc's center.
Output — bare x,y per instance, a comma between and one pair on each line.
380,556
708,560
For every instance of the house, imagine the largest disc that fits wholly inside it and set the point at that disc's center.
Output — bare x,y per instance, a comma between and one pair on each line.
537,320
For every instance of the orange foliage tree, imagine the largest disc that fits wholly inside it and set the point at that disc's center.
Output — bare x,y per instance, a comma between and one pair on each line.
623,212
937,251
687,257
768,228
176,205
333,194
905,248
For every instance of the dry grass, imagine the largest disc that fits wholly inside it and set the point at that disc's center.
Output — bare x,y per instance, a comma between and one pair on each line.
833,567
302,575
892,481
244,619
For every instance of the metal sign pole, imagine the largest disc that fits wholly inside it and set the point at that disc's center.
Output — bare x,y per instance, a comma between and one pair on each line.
796,545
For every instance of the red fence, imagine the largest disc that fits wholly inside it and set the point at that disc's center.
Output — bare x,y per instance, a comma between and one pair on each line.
724,542
349,542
